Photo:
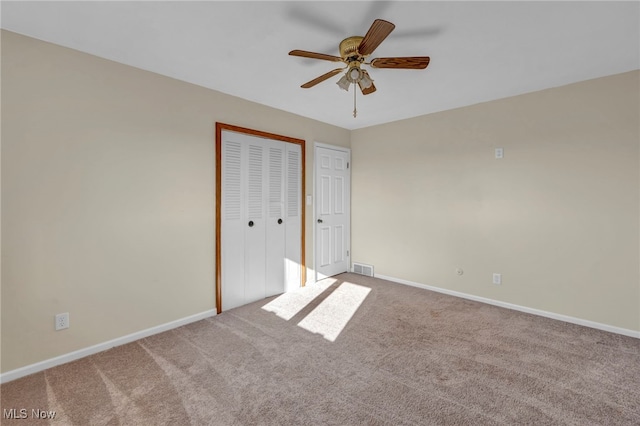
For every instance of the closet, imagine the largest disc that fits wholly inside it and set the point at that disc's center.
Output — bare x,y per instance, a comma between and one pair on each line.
261,217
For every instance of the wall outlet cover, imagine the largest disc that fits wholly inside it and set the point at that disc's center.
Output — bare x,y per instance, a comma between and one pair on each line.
62,321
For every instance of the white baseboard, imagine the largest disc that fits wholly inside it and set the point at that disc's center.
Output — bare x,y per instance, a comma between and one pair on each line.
560,317
81,353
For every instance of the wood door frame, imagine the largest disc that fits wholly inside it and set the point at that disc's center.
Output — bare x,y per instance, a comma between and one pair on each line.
220,127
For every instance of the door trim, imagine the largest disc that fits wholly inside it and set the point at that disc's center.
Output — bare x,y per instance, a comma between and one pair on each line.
220,127
317,145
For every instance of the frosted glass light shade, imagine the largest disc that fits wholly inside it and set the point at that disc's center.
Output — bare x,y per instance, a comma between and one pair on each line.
344,83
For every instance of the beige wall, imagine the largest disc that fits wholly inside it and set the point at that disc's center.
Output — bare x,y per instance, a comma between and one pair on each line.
108,196
558,216
107,181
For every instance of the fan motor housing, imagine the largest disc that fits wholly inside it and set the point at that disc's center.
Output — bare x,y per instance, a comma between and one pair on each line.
349,47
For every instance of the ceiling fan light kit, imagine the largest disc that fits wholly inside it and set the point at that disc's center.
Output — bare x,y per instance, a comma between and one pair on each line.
354,52
354,75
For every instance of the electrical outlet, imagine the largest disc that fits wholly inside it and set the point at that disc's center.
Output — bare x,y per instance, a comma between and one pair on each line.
62,321
499,153
497,279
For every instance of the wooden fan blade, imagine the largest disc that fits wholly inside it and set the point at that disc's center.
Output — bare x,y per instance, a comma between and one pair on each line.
412,62
377,33
314,55
322,78
369,89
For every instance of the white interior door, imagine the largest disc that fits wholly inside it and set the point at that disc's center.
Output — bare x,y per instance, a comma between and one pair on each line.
275,226
332,210
233,221
293,232
255,233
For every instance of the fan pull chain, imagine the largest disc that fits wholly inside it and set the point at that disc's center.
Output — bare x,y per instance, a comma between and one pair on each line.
355,111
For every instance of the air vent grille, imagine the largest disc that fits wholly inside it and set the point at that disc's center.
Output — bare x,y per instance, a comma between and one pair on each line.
362,269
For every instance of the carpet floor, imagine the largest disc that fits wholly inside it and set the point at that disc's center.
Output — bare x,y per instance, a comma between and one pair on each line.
350,350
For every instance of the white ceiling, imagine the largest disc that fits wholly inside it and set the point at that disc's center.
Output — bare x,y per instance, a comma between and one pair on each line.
479,51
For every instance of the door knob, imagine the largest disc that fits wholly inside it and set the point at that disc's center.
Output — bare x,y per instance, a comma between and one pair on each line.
250,223
279,221
319,220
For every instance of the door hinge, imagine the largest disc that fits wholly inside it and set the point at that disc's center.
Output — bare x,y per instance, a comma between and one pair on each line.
347,165
347,253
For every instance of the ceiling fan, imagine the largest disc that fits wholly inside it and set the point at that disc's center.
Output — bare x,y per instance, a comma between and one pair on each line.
354,52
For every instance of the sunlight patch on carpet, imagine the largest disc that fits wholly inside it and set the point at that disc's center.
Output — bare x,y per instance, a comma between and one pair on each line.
331,316
287,305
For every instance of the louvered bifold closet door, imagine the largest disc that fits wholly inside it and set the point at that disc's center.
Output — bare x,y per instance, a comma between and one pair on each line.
232,221
260,218
276,219
255,231
293,213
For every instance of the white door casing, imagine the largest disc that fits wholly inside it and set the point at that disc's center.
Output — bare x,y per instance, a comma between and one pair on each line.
332,210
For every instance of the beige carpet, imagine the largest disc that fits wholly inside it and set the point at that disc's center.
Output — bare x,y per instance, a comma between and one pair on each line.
406,356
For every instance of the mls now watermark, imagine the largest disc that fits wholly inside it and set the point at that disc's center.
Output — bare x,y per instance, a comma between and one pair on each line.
23,413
